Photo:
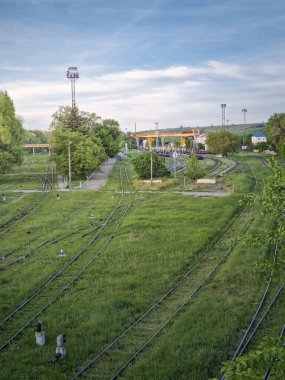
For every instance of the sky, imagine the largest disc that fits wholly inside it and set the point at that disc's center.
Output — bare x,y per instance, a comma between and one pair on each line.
145,61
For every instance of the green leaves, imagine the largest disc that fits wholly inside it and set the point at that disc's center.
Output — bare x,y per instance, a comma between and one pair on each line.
142,165
270,354
223,142
275,131
92,141
194,169
11,134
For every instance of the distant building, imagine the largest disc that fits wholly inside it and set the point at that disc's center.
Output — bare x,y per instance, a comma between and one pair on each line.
202,139
258,137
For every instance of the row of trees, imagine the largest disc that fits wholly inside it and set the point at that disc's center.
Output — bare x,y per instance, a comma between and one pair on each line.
94,140
36,136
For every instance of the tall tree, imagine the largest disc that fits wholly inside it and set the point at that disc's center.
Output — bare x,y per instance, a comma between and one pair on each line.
11,134
72,125
275,131
142,165
87,153
194,170
223,142
109,133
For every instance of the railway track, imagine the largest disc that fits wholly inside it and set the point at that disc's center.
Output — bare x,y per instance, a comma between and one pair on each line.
263,308
281,335
260,314
115,358
24,314
45,244
42,198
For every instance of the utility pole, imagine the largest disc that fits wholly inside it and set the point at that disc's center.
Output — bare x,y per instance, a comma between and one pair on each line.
244,111
151,167
175,154
69,165
156,131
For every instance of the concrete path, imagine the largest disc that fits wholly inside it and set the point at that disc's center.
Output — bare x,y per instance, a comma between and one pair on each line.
60,183
205,193
98,179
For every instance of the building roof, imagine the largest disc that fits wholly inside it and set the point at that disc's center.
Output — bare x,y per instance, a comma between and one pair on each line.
259,134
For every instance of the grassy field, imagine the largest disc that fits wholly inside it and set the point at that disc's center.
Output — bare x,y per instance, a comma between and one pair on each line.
158,241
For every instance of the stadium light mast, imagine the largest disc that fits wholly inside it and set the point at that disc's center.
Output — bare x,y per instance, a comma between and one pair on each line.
223,115
72,74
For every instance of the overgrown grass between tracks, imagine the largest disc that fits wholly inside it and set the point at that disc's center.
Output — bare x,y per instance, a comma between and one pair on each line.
156,244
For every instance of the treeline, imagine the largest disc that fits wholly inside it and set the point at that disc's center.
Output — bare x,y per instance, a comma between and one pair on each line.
36,136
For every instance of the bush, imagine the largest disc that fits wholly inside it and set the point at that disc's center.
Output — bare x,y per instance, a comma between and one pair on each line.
142,164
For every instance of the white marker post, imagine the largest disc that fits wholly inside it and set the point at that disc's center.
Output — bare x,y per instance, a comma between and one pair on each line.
175,154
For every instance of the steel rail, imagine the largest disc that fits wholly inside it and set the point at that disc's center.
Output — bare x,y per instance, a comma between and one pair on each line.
161,299
45,244
123,214
262,318
169,320
265,293
243,345
5,226
242,349
126,364
67,265
51,301
268,373
112,344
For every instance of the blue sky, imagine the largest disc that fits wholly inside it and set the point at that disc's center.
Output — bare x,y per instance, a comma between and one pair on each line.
171,61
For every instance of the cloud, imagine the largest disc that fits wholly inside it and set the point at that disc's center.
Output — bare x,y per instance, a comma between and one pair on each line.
174,96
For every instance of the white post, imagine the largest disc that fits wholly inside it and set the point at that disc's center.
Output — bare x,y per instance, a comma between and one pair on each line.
174,159
69,165
151,163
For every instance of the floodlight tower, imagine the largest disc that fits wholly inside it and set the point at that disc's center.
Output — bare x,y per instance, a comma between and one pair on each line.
244,111
223,115
72,74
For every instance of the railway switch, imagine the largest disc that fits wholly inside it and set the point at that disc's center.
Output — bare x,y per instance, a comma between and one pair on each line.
40,334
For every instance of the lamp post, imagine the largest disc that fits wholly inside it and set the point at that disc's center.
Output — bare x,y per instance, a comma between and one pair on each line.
244,111
69,165
156,131
175,154
151,167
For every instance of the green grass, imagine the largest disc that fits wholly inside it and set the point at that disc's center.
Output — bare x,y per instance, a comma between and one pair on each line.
158,241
